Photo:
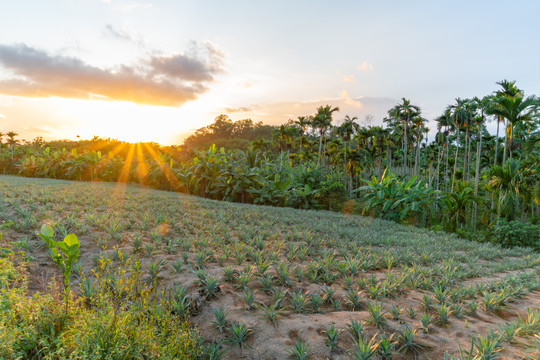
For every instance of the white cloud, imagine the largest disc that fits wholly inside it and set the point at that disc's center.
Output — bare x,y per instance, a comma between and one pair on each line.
365,66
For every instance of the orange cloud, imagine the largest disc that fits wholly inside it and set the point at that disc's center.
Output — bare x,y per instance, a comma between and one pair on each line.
365,66
160,80
349,78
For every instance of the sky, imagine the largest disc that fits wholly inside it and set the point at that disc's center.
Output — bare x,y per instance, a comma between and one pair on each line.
158,70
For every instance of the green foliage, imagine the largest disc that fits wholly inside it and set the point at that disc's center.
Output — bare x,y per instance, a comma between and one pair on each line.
395,199
515,233
300,350
32,326
64,253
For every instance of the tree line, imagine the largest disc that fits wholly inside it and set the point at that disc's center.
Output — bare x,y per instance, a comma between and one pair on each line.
464,180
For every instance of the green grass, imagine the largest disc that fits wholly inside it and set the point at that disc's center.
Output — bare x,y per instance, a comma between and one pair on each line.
303,262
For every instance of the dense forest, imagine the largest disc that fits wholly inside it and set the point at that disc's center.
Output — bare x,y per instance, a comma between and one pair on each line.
483,186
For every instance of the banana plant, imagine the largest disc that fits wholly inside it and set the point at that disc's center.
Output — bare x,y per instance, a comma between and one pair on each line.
64,253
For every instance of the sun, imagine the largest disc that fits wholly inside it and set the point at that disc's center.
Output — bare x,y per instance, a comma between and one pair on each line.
125,121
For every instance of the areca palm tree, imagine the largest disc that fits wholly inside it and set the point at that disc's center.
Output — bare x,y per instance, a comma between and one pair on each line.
507,179
303,122
479,122
322,121
346,131
403,113
508,89
459,116
11,141
517,109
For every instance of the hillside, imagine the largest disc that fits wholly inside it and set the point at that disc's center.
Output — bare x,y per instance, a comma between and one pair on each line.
287,274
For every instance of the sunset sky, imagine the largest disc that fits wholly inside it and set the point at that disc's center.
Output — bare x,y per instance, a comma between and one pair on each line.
158,70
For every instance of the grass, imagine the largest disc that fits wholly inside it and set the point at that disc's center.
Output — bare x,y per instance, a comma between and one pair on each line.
230,257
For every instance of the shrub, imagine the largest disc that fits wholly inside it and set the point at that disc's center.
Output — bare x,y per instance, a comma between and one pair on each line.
515,233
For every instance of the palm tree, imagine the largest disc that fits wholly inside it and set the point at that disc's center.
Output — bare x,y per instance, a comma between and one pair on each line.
507,179
443,121
322,121
11,141
515,110
418,129
479,122
403,113
303,122
459,115
346,130
1,136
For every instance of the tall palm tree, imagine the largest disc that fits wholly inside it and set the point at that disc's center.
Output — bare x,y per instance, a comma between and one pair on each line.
1,136
323,121
517,109
459,116
346,131
443,136
479,122
303,122
507,179
11,141
418,130
403,113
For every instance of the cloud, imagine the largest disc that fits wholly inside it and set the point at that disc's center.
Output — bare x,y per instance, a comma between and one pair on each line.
245,84
157,80
241,109
352,102
279,112
365,66
120,34
2,116
124,35
349,78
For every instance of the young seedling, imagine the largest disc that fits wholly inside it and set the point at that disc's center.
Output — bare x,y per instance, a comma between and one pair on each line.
239,334
298,301
407,339
64,253
356,329
353,300
316,301
332,336
300,350
211,287
249,298
378,315
213,351
365,350
272,313
220,318
386,346
426,320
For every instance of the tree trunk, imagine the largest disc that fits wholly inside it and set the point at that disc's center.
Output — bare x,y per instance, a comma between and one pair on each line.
505,142
320,150
477,172
405,146
438,166
455,161
496,143
465,165
446,167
